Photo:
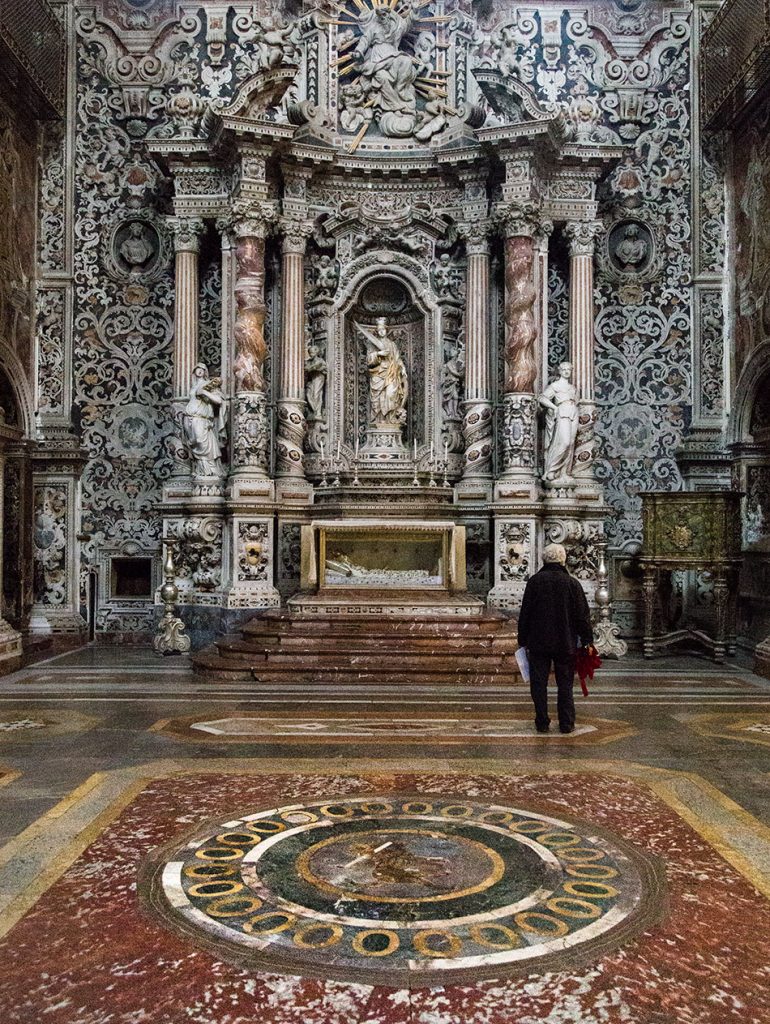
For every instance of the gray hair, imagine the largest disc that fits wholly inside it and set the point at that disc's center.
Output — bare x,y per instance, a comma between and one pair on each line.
555,553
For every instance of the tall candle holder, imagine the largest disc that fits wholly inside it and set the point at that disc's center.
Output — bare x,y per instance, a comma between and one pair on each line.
324,479
432,477
445,469
607,638
169,637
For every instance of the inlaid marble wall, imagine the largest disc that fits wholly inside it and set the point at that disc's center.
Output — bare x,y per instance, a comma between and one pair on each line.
122,308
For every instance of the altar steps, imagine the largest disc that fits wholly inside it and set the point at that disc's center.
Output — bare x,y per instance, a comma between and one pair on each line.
278,648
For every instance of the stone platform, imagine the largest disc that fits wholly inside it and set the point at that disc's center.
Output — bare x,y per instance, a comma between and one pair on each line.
471,646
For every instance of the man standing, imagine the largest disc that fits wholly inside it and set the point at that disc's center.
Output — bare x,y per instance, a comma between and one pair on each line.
554,617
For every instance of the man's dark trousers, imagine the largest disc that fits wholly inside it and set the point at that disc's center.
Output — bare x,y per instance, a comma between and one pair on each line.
564,670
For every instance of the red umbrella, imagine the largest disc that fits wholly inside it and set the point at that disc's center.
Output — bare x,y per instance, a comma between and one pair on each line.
586,663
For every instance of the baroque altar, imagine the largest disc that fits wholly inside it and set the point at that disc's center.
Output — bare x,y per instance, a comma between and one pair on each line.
384,187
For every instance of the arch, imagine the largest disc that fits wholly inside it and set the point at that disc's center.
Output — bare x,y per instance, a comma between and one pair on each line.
401,268
13,368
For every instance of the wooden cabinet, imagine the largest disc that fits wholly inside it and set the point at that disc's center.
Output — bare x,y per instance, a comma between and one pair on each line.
698,531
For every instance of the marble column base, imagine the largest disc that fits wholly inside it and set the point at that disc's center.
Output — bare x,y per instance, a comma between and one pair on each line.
45,620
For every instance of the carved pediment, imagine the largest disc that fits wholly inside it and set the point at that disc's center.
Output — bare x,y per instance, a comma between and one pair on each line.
511,99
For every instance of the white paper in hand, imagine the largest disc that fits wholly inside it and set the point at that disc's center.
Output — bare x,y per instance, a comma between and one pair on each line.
523,662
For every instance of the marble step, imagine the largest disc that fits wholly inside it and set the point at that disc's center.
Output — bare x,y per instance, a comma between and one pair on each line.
437,661
377,628
399,645
383,678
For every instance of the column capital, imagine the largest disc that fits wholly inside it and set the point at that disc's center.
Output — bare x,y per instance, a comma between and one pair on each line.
187,233
476,237
544,232
294,234
517,220
582,236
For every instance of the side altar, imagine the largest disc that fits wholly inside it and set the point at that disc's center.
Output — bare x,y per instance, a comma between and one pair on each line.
384,193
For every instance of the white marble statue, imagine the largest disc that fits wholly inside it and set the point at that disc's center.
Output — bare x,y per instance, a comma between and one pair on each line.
560,401
204,423
388,383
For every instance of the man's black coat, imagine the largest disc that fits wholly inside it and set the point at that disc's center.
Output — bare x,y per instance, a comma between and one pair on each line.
554,613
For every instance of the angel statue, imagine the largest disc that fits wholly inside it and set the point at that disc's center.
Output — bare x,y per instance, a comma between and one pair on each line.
204,423
560,401
388,383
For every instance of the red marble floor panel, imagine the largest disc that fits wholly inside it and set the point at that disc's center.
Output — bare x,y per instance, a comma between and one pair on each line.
87,953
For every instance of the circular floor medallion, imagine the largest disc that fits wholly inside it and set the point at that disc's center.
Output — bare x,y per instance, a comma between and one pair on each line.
404,891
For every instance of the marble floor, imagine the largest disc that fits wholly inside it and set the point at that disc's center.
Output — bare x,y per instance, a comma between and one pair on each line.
177,851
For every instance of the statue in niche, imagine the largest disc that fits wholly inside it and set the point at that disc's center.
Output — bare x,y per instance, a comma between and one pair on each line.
452,384
316,372
136,249
560,401
388,383
327,276
632,251
204,423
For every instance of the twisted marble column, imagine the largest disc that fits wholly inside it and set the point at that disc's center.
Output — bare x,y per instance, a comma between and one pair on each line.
187,232
582,239
291,404
249,419
477,408
521,357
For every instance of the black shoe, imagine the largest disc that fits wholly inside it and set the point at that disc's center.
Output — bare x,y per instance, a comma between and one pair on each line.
566,728
542,728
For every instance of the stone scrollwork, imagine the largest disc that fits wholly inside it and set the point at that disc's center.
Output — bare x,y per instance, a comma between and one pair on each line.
518,435
514,541
253,553
250,433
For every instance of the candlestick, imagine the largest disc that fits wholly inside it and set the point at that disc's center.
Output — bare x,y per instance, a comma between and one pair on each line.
339,451
431,453
322,451
415,451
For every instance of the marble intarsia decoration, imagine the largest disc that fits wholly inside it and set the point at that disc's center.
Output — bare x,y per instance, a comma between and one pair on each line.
284,826
485,285
408,728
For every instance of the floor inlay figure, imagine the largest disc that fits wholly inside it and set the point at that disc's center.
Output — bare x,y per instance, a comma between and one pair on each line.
404,890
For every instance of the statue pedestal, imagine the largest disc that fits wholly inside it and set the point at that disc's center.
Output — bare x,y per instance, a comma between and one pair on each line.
384,444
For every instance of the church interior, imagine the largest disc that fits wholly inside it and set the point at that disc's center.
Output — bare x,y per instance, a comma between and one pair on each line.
321,323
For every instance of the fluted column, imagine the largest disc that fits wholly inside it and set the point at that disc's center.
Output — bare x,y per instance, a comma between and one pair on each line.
187,232
521,355
291,403
582,240
249,412
477,408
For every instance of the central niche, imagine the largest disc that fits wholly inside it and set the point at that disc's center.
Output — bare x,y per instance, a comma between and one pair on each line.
384,301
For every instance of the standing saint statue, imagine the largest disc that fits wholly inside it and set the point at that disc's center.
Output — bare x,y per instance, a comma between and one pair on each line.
316,372
204,423
560,401
388,383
